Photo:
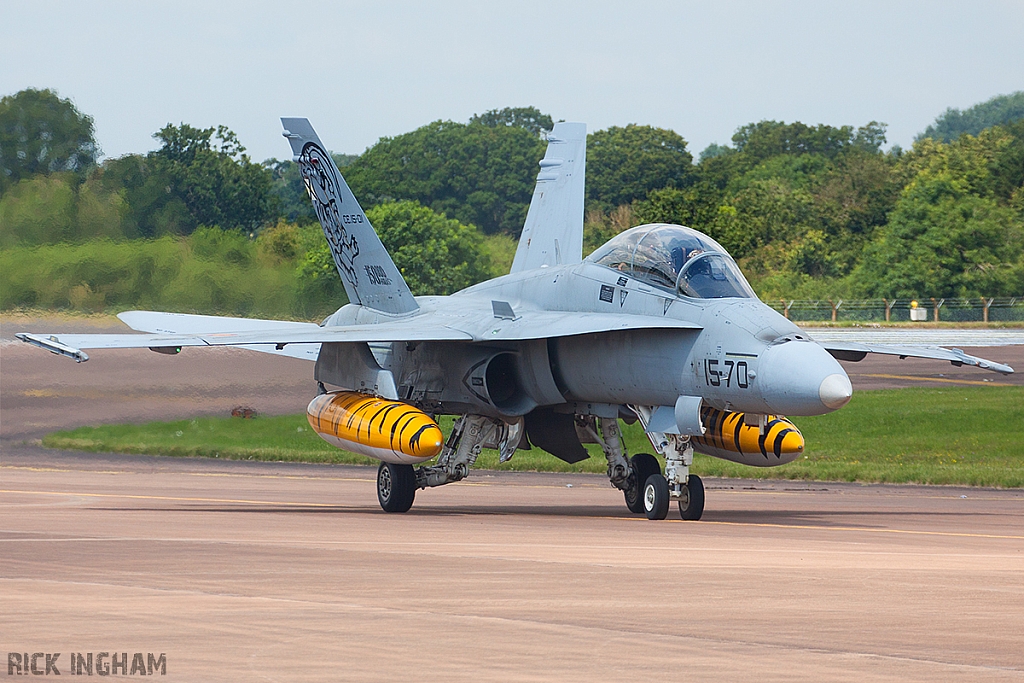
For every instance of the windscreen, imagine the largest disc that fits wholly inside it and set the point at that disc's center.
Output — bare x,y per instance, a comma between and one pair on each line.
713,276
677,258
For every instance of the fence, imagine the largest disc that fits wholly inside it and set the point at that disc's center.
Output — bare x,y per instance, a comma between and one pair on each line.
981,309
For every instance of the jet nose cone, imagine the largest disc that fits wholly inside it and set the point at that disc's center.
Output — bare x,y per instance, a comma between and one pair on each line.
835,391
801,378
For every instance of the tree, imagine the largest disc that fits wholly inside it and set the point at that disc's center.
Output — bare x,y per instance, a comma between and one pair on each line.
668,205
624,164
529,118
40,133
214,178
154,208
474,173
764,212
951,234
436,255
1007,167
759,141
953,123
714,150
287,186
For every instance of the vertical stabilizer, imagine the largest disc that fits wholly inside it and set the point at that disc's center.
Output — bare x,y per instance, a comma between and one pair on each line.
553,232
366,269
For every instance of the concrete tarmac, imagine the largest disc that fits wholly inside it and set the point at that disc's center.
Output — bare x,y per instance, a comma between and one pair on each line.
290,572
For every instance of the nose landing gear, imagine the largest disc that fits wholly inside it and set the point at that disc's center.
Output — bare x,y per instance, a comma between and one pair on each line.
641,467
656,497
691,502
658,490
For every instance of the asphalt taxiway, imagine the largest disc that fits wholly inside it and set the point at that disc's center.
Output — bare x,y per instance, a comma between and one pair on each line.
290,572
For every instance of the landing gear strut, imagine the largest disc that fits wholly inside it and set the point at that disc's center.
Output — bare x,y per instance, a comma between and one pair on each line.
470,435
626,474
397,484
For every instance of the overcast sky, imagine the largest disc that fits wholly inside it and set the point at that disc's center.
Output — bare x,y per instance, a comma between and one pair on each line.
365,70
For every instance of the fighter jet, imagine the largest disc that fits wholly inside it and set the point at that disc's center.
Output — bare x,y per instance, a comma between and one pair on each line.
658,325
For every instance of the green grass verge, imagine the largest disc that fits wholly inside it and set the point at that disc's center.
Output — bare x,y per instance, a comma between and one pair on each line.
960,435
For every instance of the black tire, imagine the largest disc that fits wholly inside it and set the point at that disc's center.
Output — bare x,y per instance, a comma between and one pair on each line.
641,465
656,497
691,505
396,487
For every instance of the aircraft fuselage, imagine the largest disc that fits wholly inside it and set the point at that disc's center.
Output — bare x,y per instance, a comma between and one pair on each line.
742,355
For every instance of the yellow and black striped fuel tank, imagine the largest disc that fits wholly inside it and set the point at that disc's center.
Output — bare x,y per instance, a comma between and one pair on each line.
729,438
391,431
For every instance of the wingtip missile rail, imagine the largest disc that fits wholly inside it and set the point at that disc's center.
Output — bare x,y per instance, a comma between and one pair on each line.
53,345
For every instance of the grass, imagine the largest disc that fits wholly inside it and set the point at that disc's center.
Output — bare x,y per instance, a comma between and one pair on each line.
961,435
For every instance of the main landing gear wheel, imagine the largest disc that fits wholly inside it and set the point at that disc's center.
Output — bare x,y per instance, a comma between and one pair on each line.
691,505
396,487
656,497
642,466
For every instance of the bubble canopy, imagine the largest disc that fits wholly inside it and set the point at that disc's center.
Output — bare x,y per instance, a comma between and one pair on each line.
677,258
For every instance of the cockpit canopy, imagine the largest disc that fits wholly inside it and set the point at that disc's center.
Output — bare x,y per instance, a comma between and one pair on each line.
680,259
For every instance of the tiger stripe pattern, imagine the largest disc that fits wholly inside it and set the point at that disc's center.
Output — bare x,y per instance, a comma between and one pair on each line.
726,431
387,430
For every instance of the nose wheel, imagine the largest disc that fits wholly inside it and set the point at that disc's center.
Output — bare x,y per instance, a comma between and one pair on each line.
656,497
691,502
642,466
396,487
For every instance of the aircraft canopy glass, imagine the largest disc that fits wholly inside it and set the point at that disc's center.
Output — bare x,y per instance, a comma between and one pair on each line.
681,259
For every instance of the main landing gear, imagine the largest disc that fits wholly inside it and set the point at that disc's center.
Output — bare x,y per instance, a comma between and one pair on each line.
396,486
397,483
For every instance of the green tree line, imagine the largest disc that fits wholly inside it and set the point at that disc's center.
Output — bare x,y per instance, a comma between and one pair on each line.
809,211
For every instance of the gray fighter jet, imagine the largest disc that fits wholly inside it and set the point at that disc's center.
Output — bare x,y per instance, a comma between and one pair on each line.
658,325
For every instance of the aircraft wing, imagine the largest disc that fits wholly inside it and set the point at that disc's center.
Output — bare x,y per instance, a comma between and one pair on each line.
853,344
72,345
177,331
182,323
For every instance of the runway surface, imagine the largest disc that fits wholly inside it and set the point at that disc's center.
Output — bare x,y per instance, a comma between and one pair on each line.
290,572
284,572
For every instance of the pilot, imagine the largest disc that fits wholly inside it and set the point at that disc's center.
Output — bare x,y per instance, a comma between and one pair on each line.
678,255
